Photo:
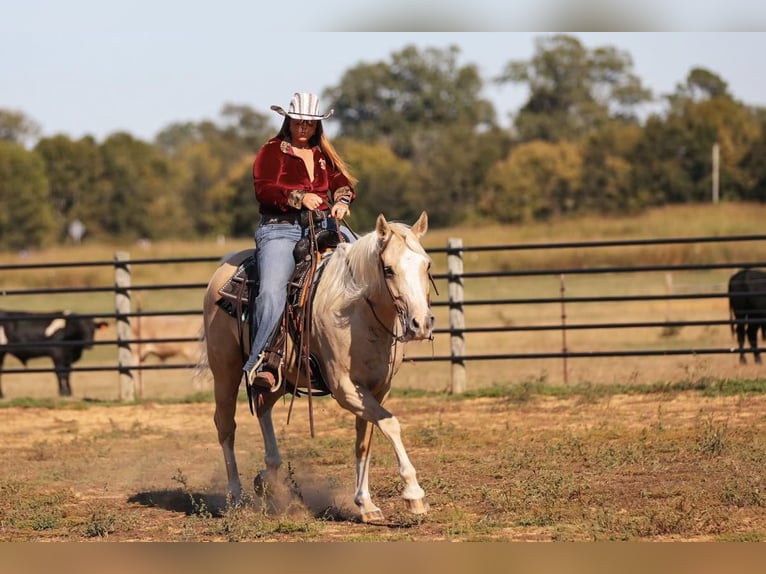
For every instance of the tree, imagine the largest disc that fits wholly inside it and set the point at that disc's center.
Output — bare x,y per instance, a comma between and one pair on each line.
241,130
415,91
537,181
26,219
144,184
675,151
573,90
701,84
607,184
78,184
754,163
15,127
215,163
384,181
450,165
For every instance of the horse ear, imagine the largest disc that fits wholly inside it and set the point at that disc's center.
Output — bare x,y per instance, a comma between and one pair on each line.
421,225
382,228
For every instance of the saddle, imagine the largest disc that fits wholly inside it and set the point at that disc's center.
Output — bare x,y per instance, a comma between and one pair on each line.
238,299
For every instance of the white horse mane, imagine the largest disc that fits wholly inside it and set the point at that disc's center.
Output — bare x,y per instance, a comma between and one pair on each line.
354,268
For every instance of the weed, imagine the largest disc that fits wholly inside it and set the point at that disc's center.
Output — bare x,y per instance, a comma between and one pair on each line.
198,504
712,437
101,524
741,493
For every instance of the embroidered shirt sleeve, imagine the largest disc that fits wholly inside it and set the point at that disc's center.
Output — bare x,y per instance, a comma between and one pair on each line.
295,199
343,194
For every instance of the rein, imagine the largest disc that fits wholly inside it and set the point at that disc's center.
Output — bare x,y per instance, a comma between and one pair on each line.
303,358
398,338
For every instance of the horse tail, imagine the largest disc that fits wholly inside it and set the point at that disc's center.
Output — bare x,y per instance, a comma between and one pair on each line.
201,371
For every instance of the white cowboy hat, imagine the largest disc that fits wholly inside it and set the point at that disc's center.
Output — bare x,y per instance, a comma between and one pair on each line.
303,106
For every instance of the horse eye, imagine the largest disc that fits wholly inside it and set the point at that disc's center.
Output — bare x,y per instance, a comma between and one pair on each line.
388,271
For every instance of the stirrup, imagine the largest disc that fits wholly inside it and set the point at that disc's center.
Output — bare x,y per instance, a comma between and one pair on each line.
261,380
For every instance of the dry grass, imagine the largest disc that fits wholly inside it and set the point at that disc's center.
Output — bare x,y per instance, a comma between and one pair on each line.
651,467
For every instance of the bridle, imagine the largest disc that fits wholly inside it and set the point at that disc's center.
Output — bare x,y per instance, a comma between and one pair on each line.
394,300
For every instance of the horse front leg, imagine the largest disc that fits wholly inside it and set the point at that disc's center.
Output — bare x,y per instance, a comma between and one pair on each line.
362,403
369,511
413,494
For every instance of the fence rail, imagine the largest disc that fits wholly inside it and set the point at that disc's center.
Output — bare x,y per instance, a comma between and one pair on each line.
452,299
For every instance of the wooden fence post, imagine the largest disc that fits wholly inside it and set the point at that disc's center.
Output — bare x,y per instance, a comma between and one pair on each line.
124,331
456,317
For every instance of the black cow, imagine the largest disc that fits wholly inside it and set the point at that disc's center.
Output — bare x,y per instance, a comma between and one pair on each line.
747,309
59,335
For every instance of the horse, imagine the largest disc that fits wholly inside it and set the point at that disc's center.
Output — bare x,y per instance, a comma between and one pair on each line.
373,295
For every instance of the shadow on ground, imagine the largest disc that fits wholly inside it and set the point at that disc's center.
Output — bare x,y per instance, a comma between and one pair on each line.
182,501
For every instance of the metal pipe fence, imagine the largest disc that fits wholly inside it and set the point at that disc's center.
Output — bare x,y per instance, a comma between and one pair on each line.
453,300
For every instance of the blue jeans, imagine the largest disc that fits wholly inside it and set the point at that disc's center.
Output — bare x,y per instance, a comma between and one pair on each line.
274,249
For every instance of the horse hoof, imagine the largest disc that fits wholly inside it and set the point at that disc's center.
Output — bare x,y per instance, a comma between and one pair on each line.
372,516
417,506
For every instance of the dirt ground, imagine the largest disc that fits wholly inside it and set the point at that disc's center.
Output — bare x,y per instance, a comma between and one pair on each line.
661,466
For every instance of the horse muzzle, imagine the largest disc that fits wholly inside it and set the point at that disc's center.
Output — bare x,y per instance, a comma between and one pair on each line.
419,328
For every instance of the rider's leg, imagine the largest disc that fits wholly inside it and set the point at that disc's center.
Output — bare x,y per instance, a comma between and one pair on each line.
275,243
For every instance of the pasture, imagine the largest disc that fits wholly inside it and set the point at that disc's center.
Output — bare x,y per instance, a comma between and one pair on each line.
631,448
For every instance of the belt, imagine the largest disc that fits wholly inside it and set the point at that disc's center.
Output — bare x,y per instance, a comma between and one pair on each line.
299,217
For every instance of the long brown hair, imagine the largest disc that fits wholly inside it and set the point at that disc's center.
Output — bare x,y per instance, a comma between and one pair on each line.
320,139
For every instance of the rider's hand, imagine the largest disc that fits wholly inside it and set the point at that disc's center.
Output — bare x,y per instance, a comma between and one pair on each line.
339,210
311,201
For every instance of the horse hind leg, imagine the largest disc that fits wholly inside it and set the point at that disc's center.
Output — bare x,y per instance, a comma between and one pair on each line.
267,479
225,408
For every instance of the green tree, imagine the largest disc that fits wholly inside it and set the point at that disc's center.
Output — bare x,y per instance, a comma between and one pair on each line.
384,180
416,91
450,166
675,150
537,181
240,130
573,90
78,184
26,219
215,163
428,110
143,198
754,163
16,127
701,84
243,208
607,184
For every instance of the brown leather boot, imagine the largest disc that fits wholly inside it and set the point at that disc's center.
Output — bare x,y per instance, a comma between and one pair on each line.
266,380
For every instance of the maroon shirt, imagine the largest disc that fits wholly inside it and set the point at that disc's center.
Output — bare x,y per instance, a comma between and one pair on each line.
277,172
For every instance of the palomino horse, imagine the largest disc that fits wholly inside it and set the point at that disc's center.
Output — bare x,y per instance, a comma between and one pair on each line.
372,296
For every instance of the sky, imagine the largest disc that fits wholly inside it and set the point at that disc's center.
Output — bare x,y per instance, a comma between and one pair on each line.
95,67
